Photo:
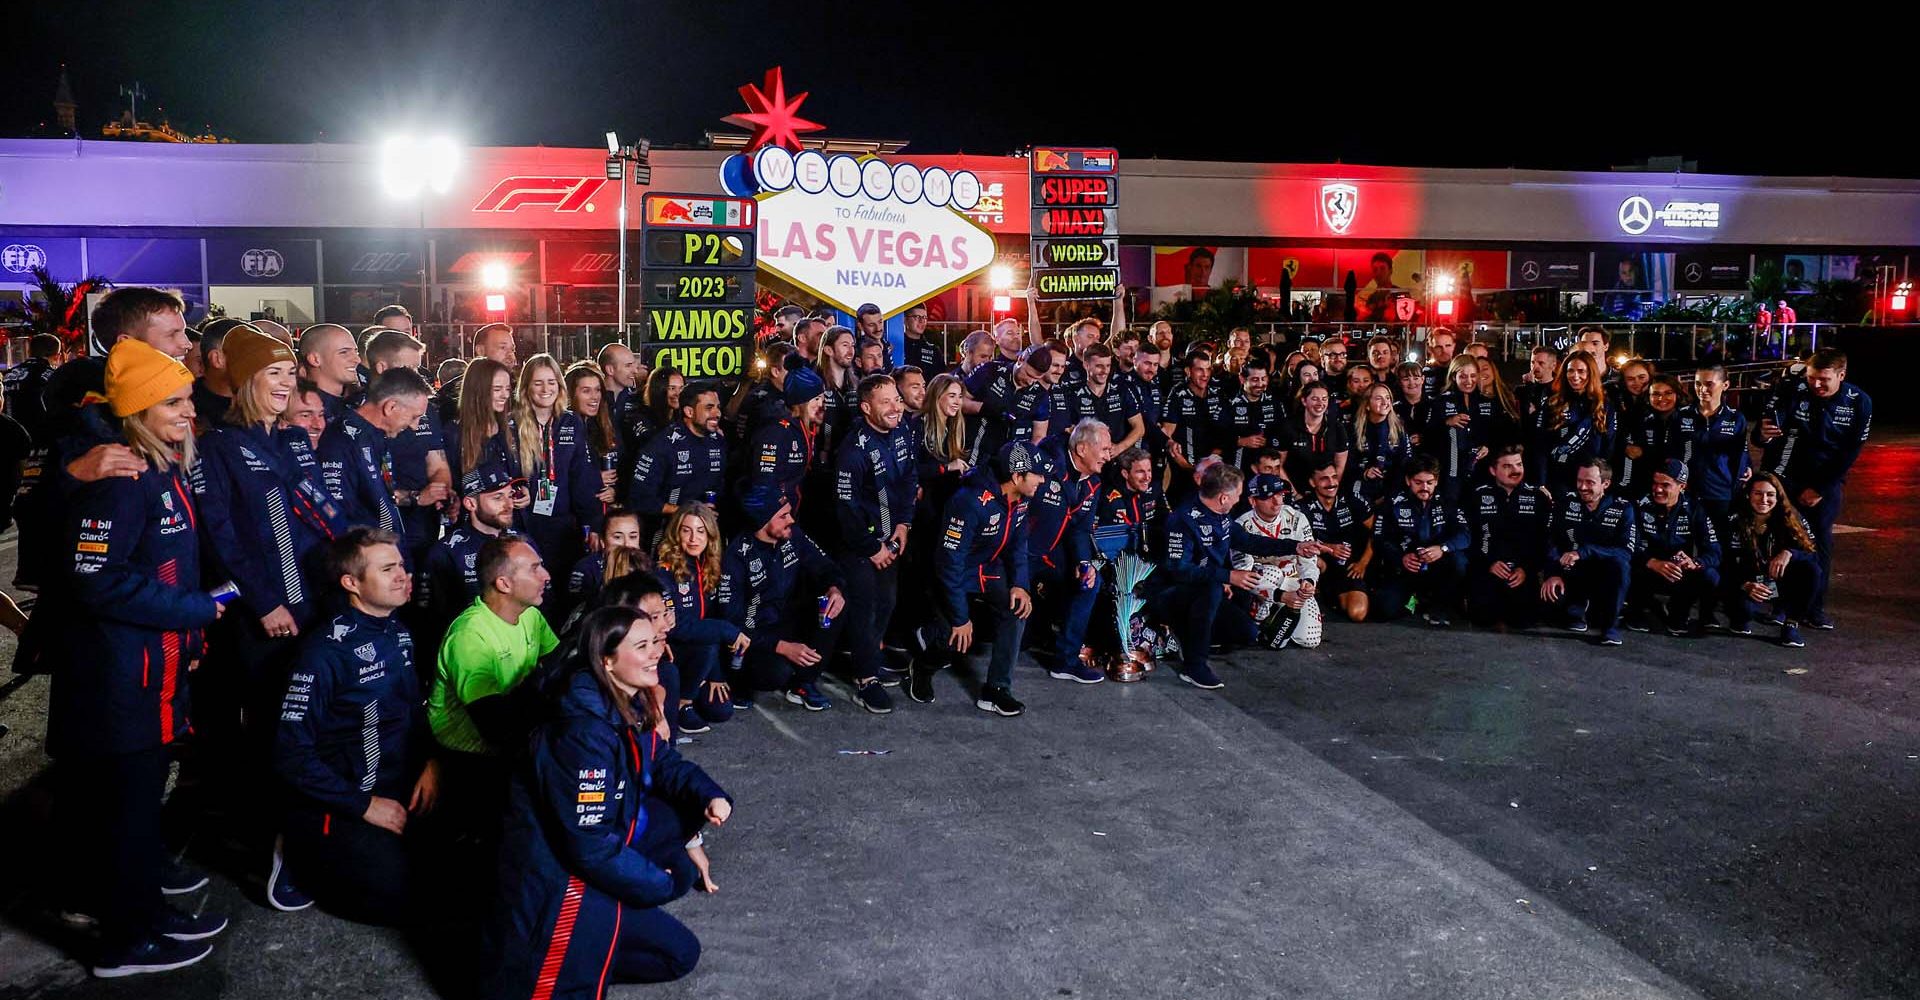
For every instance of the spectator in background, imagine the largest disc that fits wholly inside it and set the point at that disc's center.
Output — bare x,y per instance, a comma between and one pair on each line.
27,381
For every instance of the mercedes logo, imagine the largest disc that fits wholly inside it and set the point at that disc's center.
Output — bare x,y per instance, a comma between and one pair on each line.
1694,272
1530,270
1636,215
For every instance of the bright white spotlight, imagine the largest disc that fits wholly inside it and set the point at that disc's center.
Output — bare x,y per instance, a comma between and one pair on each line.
493,274
999,276
440,160
409,166
400,168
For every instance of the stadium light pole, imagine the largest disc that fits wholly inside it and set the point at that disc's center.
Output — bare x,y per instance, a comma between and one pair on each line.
618,158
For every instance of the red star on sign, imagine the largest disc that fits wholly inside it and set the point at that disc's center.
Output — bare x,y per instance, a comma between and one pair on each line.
775,120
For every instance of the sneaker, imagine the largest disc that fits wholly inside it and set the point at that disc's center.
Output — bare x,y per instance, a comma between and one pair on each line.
1577,625
691,721
1203,678
872,695
1739,628
1686,628
155,954
998,700
183,926
742,699
808,696
1436,619
1821,622
920,685
1790,636
1077,670
1612,638
1639,623
178,879
281,892
890,677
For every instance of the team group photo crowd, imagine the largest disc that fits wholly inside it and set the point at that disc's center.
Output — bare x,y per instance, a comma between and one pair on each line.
429,636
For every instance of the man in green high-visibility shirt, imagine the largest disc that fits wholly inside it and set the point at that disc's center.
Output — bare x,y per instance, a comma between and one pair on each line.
488,650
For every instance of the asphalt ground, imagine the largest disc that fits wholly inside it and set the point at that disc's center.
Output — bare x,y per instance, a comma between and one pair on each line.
1399,813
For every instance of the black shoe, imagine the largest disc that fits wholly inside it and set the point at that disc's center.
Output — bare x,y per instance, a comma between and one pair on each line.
998,700
1639,623
691,721
1820,621
155,954
1437,619
890,676
178,879
183,926
920,684
872,696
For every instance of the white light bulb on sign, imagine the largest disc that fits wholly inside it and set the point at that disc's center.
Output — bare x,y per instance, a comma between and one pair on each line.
966,191
937,186
999,277
843,173
876,180
773,168
810,171
906,182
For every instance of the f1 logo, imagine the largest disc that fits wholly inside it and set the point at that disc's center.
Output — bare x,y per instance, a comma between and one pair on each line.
1339,203
562,194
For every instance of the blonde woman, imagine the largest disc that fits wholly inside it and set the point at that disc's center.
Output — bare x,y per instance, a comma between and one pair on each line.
550,445
1381,448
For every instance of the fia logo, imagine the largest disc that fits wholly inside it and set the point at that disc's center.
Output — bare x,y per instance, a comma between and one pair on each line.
22,257
262,263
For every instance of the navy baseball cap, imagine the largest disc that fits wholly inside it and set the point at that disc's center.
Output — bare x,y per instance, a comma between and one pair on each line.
1675,470
486,478
1266,485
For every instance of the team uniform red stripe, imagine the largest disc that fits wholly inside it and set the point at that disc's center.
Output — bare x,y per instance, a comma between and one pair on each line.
557,944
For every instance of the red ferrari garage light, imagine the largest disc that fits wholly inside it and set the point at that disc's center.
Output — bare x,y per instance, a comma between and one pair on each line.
496,302
1443,308
1002,303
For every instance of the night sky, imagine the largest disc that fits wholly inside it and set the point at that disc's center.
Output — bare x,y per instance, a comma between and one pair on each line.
1194,82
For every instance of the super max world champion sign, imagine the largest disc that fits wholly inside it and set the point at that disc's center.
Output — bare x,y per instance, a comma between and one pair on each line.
856,230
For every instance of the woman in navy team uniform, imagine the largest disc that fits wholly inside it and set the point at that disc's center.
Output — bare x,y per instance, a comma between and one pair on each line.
689,571
479,433
551,445
266,516
597,826
120,699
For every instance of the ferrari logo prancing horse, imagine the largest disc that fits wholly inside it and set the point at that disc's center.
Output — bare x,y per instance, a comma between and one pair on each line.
1338,205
